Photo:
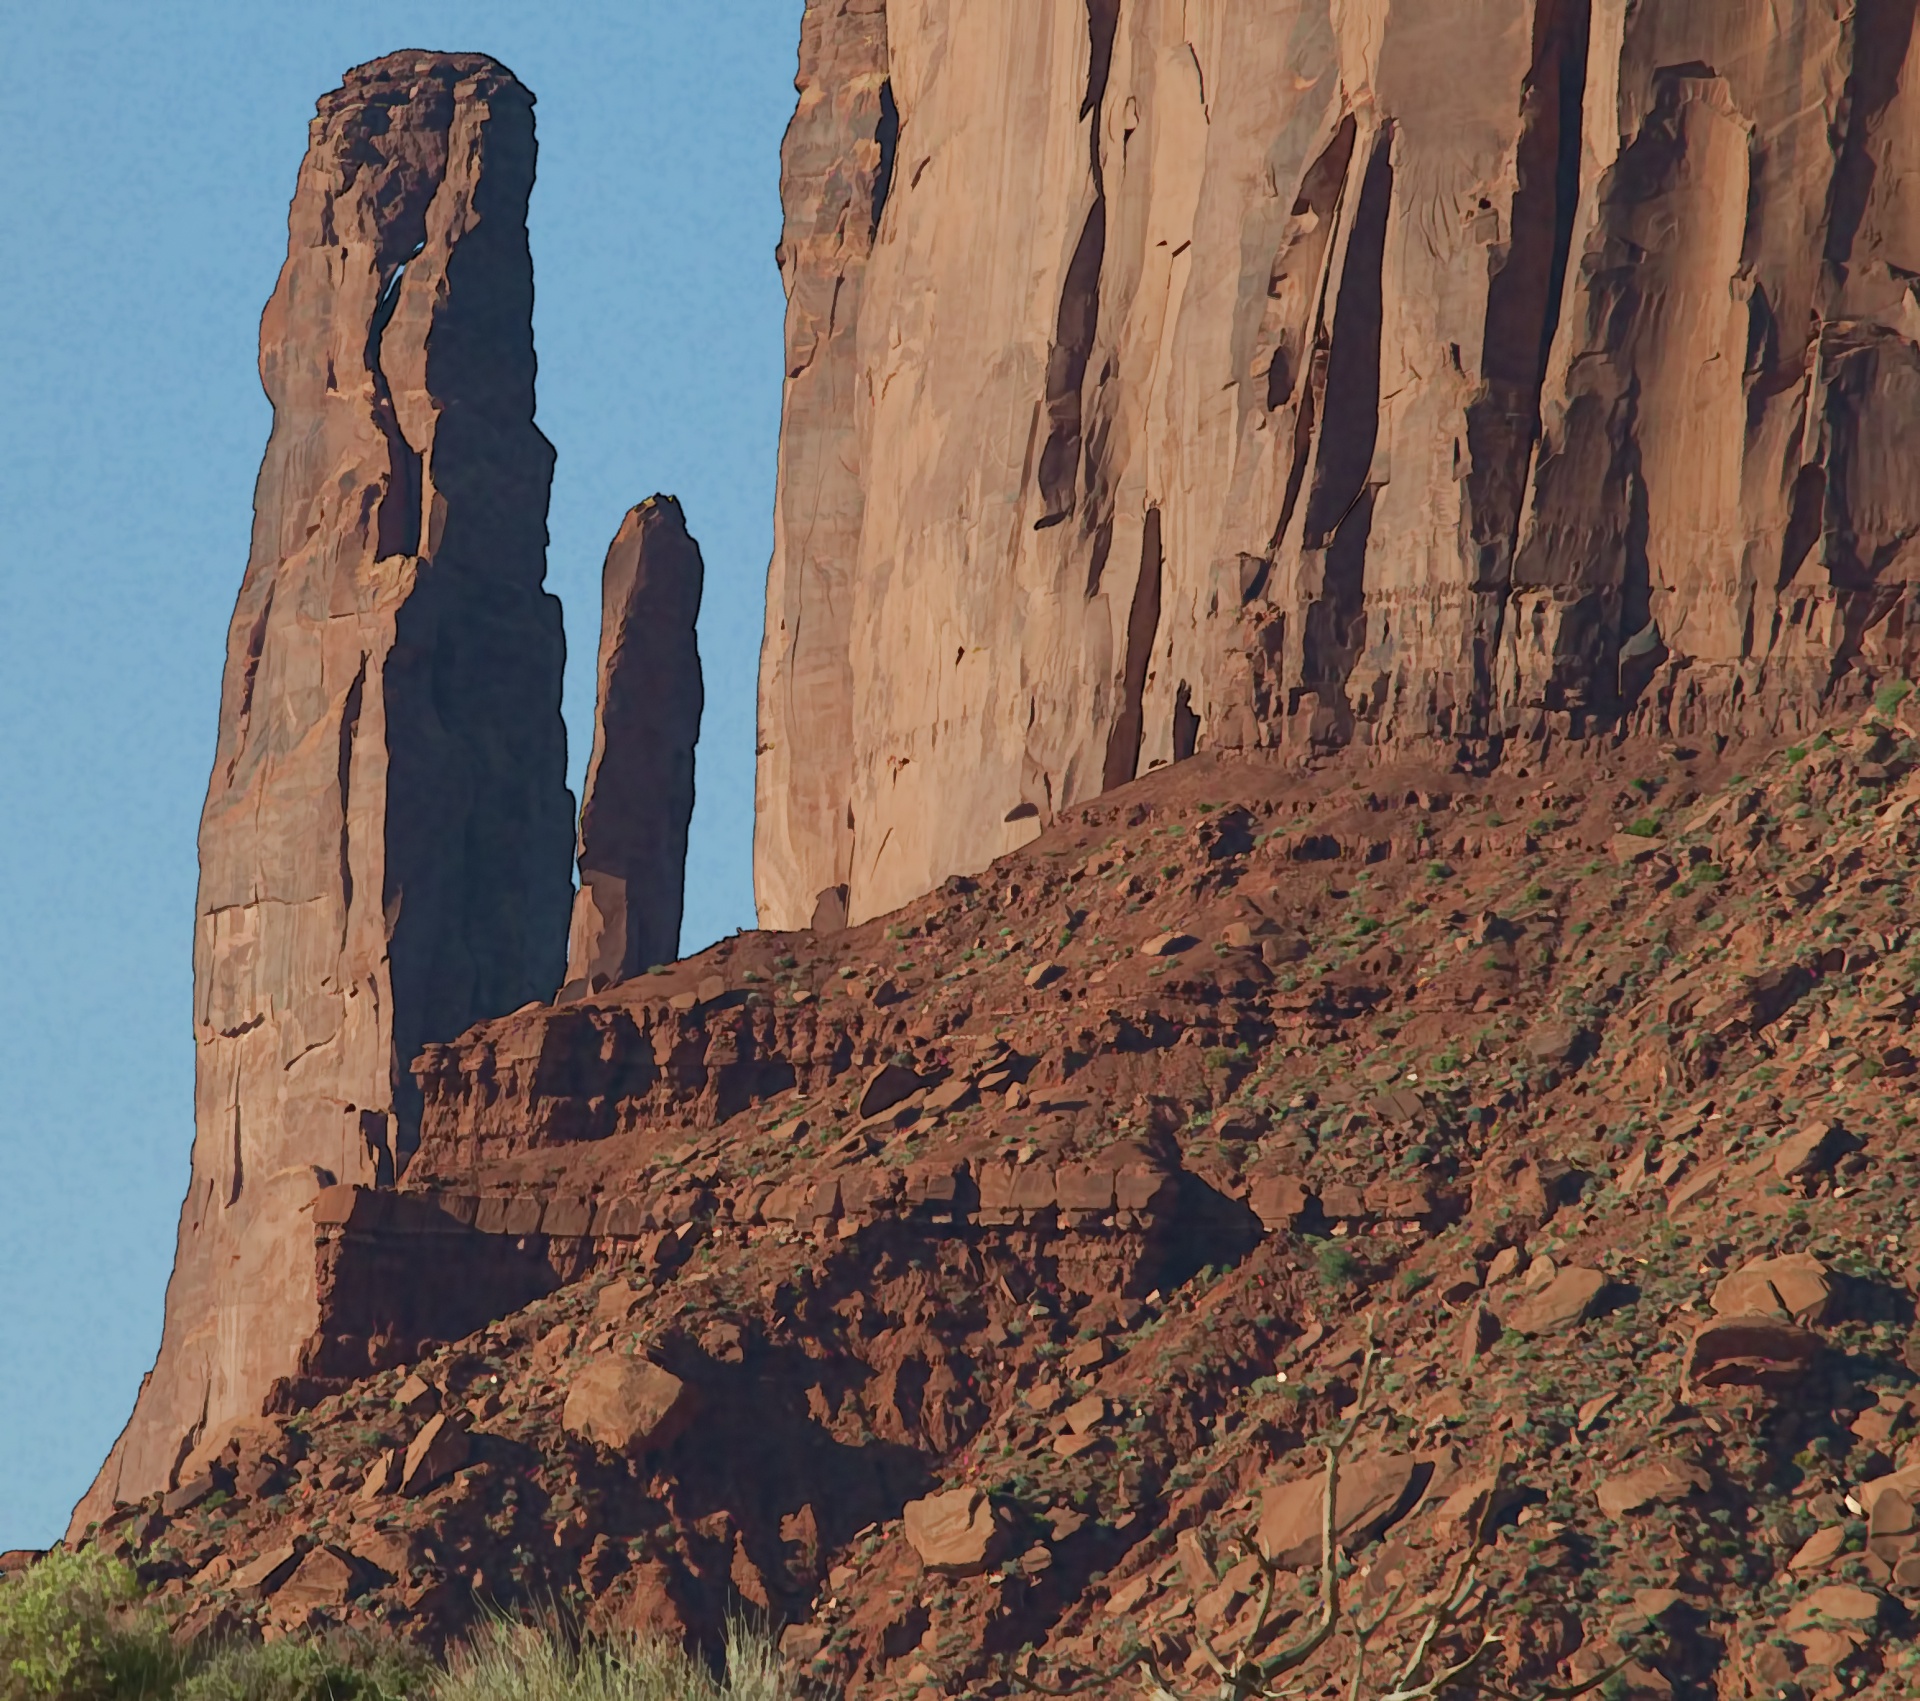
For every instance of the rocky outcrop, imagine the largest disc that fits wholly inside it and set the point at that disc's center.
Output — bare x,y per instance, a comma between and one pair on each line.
384,848
639,797
1302,375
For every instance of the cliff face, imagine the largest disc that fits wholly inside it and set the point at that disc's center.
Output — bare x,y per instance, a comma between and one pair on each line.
639,798
385,846
1289,374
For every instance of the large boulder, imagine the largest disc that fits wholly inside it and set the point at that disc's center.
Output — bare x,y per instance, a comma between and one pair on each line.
1374,1494
440,1449
1795,1286
1750,1352
628,1405
955,1533
1573,1296
1662,1482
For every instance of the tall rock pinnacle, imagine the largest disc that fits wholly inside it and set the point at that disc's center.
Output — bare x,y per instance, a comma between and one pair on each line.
1295,375
639,797
385,845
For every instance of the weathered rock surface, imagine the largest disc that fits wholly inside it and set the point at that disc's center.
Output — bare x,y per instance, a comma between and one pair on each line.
1569,1298
384,848
1795,1286
953,1533
1105,1265
1373,1494
629,1405
639,795
1292,374
1660,1483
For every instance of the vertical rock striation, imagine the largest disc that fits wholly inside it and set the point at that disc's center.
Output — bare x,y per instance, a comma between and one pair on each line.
384,849
639,797
836,170
1292,374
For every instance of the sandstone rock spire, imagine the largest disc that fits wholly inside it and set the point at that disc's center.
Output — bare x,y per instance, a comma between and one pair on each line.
385,844
639,794
1296,375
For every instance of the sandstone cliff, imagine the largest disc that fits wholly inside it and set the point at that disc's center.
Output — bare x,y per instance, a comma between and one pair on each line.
639,797
385,845
1289,374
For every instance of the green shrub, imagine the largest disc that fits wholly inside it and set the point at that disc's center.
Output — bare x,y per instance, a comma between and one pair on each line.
70,1630
73,1628
335,1668
1336,1264
1891,695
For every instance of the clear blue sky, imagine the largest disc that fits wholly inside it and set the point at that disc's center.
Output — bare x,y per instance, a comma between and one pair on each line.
149,153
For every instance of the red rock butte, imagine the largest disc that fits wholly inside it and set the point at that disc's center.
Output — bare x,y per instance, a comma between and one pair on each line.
1337,804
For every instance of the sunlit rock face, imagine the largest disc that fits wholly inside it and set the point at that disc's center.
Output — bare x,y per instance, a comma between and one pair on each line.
1281,373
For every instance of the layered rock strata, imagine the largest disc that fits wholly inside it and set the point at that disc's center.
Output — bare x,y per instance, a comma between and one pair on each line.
639,795
1297,375
385,845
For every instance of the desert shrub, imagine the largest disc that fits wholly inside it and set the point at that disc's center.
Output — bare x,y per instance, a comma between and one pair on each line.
334,1668
71,1630
512,1662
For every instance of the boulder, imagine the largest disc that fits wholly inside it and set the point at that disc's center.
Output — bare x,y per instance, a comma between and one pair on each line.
326,1577
1573,1295
1374,1494
264,1573
1750,1352
1839,1603
954,1533
1664,1482
628,1405
1819,1549
886,1087
439,1450
1795,1286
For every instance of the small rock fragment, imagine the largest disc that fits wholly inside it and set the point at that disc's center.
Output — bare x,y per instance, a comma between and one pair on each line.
416,1395
383,1475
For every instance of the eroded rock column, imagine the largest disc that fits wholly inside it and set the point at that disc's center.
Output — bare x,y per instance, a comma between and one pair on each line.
639,797
385,846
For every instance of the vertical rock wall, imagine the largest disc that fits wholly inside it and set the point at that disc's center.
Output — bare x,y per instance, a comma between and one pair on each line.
386,842
1296,374
646,722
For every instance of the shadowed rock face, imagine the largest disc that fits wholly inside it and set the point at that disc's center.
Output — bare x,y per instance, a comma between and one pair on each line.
639,799
1308,375
385,845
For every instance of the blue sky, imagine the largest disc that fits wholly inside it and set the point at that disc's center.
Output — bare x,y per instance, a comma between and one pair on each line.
150,153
